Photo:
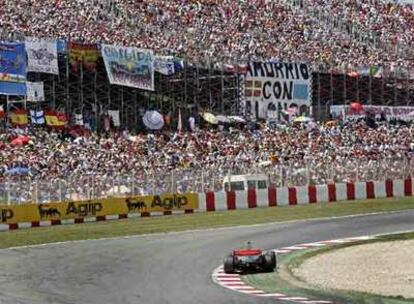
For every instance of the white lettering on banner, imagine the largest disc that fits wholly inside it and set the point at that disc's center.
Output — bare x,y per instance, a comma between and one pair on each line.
129,66
277,85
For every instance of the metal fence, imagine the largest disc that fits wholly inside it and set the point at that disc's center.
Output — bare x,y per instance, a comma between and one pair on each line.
23,190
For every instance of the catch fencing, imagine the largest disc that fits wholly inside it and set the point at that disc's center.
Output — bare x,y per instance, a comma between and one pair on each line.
288,173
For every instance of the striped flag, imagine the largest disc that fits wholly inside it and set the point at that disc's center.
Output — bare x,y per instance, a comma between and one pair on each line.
55,119
19,118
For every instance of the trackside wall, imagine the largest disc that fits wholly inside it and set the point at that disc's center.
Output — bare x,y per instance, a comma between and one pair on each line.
285,196
33,215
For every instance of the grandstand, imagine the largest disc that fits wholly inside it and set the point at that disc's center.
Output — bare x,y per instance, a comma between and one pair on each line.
352,50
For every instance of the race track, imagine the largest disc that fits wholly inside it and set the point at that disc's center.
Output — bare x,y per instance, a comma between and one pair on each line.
159,269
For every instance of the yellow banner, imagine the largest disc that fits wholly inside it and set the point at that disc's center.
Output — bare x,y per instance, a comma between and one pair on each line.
161,203
12,214
81,209
99,207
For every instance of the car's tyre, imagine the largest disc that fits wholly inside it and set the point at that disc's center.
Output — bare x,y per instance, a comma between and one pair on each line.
229,264
270,261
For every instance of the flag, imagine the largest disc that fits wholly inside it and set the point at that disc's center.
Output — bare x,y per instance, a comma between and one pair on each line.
83,54
164,65
2,114
55,119
180,122
35,91
78,119
178,64
37,117
19,118
114,114
375,71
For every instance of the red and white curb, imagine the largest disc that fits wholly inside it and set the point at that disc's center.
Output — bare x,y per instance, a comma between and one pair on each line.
81,220
234,281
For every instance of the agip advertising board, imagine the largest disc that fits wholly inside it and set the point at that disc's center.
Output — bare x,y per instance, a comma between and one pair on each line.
274,86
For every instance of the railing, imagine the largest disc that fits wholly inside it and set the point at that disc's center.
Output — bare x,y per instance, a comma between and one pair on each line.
290,173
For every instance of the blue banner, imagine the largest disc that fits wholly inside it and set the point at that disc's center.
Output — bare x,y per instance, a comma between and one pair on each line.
61,46
12,68
129,66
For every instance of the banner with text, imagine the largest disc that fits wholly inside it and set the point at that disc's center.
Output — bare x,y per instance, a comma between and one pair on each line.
42,56
388,112
129,66
12,68
12,214
276,85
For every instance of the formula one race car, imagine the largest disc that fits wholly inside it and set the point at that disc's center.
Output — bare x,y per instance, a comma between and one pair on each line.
250,260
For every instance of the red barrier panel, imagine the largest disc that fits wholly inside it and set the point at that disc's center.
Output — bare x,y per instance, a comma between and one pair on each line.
312,195
370,190
350,191
210,205
292,196
252,198
408,187
332,192
272,197
79,220
389,188
231,200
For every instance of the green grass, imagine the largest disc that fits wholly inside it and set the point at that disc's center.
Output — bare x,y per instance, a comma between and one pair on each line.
198,221
291,285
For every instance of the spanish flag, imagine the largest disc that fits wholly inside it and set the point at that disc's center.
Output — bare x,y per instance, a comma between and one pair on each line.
19,118
55,119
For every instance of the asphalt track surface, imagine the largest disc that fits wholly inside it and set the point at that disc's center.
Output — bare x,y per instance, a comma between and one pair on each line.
159,269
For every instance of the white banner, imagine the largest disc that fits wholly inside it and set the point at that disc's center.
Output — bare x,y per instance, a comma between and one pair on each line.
78,119
164,65
35,91
42,56
399,112
115,117
280,85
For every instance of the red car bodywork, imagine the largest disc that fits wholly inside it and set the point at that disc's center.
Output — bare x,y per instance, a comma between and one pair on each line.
247,252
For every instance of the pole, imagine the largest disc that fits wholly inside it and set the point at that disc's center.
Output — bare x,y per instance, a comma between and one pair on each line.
95,97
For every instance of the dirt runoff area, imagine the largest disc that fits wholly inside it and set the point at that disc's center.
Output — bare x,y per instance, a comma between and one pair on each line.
383,268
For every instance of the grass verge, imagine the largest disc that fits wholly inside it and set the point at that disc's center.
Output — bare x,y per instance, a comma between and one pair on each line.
198,221
285,282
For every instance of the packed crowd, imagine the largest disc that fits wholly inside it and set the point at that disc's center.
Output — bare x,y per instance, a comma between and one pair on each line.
292,155
334,32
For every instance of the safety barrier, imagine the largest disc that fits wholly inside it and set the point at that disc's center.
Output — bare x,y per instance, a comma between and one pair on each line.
285,196
36,215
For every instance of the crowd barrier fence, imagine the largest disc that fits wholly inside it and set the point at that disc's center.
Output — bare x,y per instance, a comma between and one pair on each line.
20,190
